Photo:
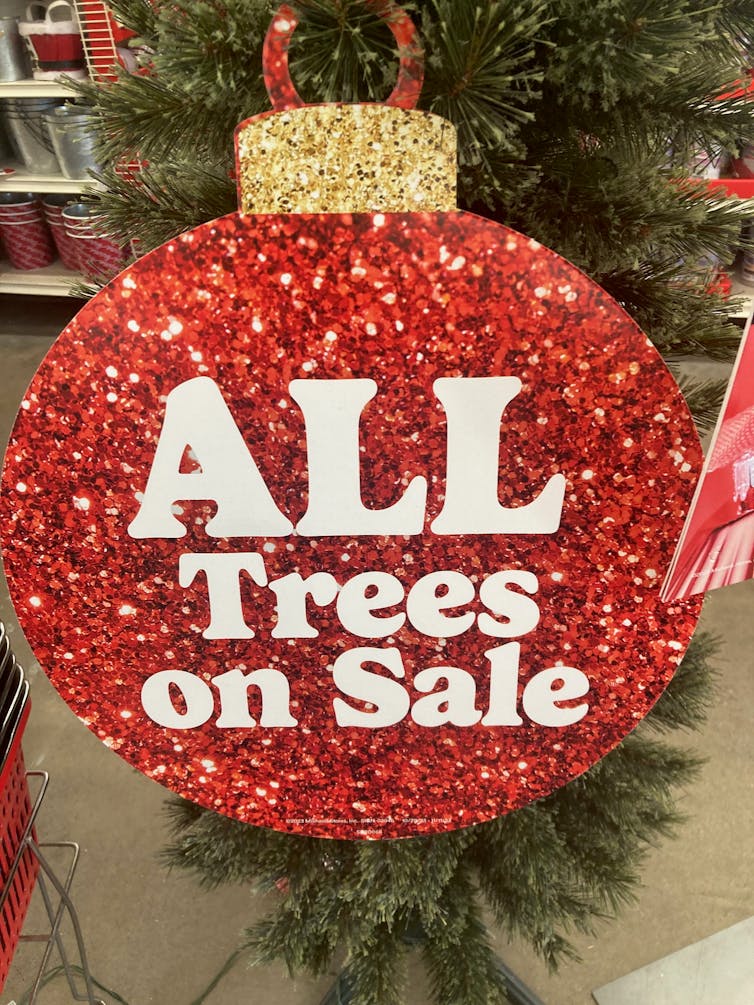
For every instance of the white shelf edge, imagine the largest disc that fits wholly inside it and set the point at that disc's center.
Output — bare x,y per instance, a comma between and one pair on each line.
52,281
23,180
34,89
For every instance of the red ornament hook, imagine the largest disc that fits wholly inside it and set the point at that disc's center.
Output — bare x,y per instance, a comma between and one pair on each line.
277,78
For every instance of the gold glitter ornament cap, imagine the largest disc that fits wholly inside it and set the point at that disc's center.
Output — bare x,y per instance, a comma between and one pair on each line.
345,158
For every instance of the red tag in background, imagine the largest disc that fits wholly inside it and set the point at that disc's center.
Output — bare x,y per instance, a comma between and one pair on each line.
425,679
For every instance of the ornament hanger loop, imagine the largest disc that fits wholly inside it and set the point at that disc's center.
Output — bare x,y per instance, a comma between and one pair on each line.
277,78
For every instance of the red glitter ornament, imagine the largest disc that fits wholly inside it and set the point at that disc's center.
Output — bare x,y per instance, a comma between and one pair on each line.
390,727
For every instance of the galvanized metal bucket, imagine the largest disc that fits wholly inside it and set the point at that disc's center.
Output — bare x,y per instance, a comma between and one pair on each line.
72,137
28,132
14,64
5,147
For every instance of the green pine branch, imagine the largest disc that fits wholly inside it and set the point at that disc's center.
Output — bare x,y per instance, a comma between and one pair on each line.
459,959
684,702
137,208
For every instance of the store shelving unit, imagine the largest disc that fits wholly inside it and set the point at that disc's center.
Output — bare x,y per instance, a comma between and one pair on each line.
54,280
101,35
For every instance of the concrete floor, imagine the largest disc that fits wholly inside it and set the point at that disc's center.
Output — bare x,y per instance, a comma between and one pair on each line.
155,937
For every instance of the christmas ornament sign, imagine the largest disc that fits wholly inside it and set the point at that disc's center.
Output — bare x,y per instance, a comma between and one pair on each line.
351,523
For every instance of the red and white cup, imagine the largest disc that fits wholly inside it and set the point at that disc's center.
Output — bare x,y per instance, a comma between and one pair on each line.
53,206
99,258
25,233
18,206
66,246
29,245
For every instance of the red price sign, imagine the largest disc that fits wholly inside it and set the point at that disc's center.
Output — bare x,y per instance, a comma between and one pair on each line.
352,526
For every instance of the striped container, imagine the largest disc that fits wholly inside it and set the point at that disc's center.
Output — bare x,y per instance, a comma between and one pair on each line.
99,257
53,206
25,233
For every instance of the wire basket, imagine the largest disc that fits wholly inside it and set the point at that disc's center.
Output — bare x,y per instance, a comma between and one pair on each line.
17,873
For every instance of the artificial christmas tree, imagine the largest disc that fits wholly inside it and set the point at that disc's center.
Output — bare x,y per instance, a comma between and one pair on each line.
576,123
